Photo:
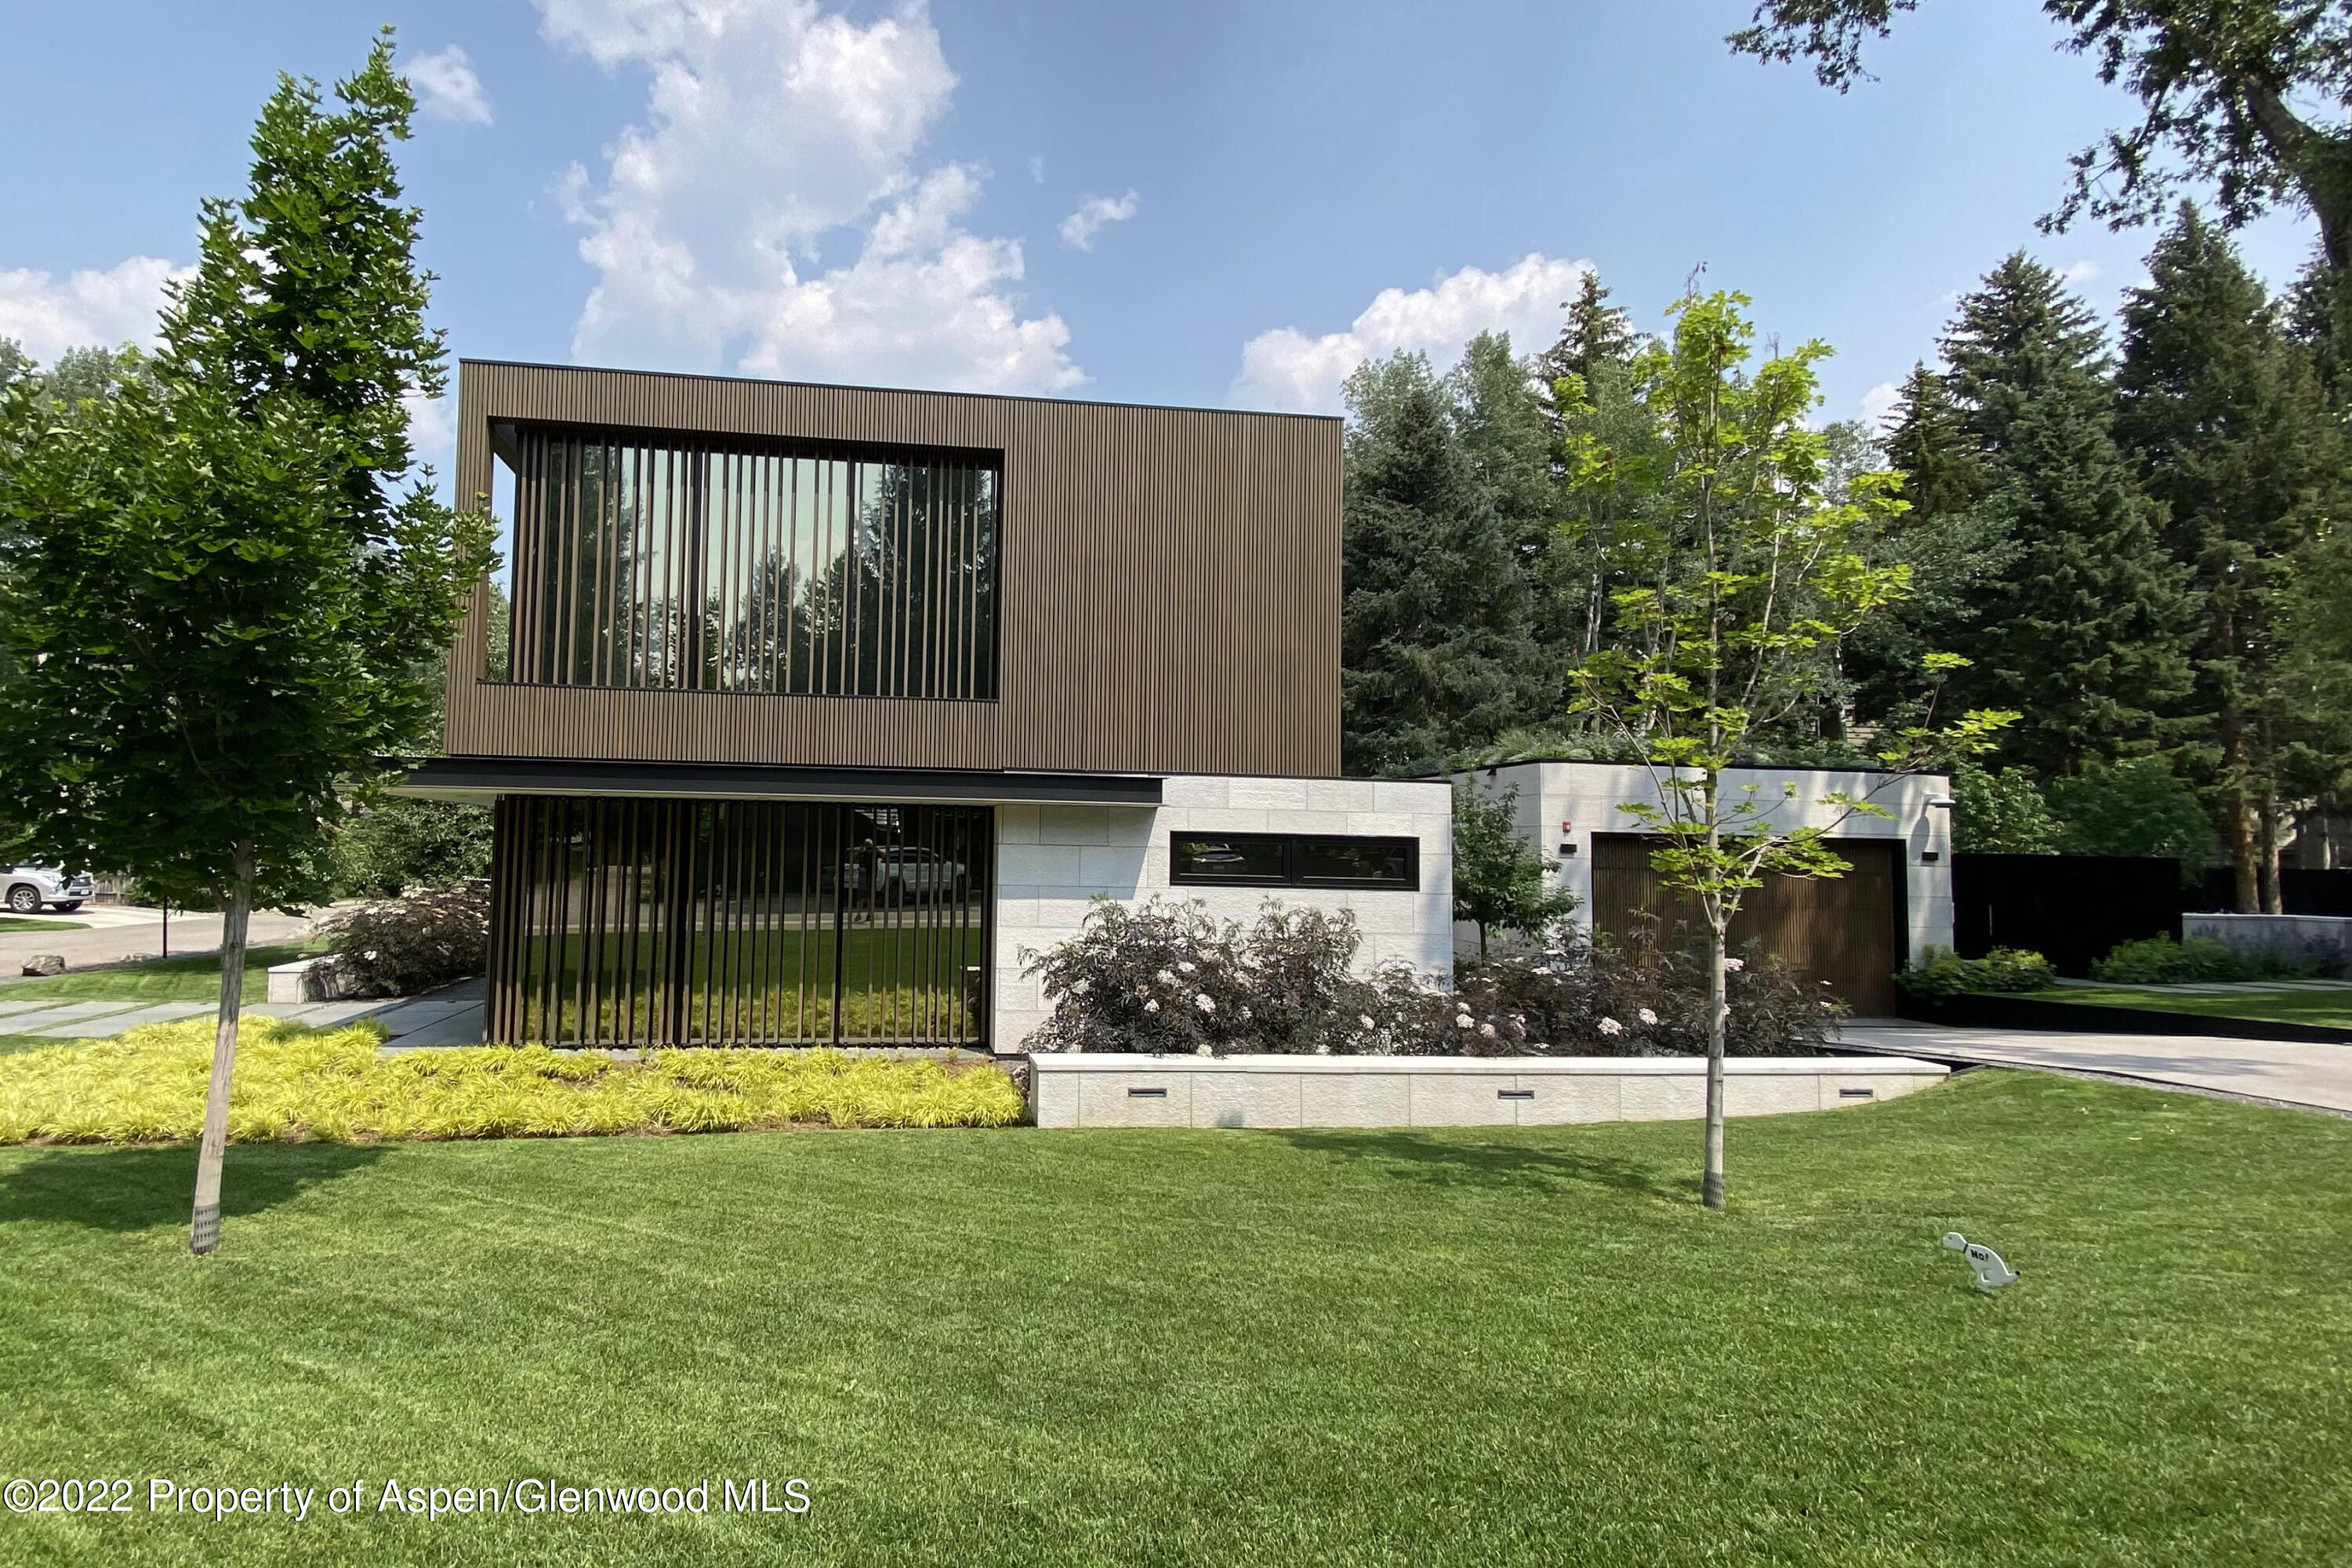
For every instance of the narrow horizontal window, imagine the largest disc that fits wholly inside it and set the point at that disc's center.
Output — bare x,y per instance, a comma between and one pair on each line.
1293,860
1359,862
1256,858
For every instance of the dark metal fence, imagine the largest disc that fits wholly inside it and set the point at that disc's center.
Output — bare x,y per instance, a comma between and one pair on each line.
670,923
649,562
2303,890
2071,908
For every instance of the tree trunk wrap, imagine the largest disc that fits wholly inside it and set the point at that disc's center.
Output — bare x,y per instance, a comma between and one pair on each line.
203,1231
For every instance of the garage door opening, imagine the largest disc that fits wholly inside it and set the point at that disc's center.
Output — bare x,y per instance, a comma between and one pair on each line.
1847,931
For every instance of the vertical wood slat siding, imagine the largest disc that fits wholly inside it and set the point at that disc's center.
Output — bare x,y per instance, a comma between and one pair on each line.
1166,592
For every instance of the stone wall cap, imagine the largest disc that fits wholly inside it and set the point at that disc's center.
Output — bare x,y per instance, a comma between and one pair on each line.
1639,1067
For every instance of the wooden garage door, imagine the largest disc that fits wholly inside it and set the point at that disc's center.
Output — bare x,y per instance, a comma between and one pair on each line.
1844,930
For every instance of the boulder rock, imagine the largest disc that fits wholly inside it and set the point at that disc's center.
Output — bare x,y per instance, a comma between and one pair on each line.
46,963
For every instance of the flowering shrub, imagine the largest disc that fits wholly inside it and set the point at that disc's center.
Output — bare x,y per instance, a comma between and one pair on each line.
1168,978
398,947
1164,978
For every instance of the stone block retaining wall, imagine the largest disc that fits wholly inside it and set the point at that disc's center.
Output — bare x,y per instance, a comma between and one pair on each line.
1134,1090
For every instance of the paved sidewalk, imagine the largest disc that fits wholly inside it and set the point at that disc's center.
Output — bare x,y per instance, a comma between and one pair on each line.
120,932
2286,1071
449,1017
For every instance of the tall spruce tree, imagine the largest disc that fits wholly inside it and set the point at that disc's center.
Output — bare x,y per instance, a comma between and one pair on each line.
1595,333
2084,629
1950,548
2223,416
1434,621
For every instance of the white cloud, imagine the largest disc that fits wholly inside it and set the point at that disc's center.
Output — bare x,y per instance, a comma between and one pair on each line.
1078,229
1880,401
1037,168
774,131
1286,369
117,306
2081,272
447,88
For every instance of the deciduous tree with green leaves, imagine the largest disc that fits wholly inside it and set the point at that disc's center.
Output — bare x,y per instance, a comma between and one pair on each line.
1500,880
228,590
1754,566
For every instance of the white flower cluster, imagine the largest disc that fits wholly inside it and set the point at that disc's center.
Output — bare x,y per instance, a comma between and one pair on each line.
1612,1026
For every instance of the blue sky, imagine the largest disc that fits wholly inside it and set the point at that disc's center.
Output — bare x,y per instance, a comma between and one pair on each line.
1214,204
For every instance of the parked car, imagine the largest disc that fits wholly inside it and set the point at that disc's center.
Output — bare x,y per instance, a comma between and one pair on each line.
30,886
894,874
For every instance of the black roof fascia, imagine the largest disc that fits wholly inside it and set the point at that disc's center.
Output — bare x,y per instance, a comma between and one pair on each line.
477,776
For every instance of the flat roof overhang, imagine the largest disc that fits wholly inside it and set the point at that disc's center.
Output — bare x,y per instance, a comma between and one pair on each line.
484,779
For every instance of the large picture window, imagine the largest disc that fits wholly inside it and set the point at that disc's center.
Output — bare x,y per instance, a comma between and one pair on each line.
1293,860
654,563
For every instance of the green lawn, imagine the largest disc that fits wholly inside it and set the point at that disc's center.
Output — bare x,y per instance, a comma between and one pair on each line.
195,979
18,923
1473,1347
2327,1009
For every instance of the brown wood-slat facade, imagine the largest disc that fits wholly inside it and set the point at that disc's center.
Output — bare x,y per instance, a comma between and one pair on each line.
1846,931
1166,589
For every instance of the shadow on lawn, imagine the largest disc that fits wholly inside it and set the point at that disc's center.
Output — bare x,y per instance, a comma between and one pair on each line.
139,1189
1446,1162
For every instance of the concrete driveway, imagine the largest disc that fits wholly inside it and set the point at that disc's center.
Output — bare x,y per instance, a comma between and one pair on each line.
2283,1072
119,931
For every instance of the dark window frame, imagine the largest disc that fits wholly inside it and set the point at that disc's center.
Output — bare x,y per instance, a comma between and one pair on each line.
1292,853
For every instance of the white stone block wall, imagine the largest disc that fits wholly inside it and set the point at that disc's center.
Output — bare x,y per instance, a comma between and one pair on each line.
1587,796
1052,861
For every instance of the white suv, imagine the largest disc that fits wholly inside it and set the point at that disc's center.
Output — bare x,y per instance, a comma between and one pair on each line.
30,886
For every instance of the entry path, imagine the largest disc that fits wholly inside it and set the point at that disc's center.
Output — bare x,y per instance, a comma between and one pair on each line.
2286,1072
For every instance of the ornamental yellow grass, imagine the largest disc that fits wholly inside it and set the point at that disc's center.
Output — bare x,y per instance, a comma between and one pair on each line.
296,1084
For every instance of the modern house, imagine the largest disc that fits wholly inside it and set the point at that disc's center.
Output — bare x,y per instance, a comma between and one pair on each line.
806,709
1852,931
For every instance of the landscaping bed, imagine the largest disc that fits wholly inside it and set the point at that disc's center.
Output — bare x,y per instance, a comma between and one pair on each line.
1460,1349
295,1084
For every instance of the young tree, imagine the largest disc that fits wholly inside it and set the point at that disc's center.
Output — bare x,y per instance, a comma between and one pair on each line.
1499,875
1434,619
228,596
1755,569
2084,631
2224,418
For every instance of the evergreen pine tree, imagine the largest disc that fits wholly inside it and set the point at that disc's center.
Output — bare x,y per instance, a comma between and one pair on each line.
2224,418
1595,333
1434,624
1951,549
2084,629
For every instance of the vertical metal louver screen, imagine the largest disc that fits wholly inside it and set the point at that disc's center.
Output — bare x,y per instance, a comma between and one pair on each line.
719,569
666,923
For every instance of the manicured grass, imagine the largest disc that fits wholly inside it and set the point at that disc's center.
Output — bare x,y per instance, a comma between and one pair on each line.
10,1043
18,923
2327,1009
195,979
1473,1347
296,1084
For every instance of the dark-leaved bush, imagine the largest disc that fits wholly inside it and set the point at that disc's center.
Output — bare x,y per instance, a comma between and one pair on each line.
398,947
1168,978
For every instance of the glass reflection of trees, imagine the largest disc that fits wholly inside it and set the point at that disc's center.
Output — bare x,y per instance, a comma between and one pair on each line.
730,570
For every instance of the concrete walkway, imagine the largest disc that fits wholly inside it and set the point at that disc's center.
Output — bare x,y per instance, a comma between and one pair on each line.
449,1017
2283,1072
